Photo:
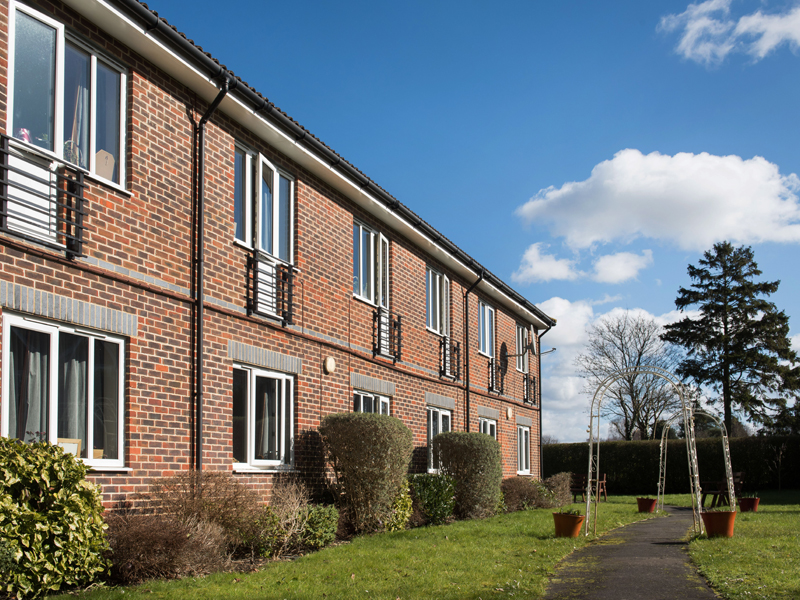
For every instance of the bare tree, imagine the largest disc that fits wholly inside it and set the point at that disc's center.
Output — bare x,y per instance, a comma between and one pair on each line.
637,402
548,440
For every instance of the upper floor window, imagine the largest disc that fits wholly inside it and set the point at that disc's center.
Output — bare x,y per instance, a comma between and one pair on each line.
64,385
486,325
370,403
522,348
66,98
263,205
437,294
370,265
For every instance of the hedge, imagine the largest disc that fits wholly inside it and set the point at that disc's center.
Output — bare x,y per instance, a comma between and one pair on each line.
632,467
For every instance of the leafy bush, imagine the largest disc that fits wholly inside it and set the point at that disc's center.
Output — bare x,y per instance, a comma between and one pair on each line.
558,487
6,559
519,492
370,455
50,518
321,526
435,496
474,461
289,503
401,510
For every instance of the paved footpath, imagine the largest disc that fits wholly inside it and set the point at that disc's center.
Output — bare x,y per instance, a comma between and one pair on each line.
646,560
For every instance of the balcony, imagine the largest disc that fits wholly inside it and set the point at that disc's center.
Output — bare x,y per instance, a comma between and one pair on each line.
529,389
497,375
270,288
41,198
387,334
449,359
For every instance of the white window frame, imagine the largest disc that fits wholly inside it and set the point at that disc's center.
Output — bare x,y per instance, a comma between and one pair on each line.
62,38
286,420
53,329
434,413
487,327
523,450
488,426
254,237
377,268
522,349
382,403
437,302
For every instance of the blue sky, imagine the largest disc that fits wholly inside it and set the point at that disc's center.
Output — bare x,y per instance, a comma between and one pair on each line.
585,152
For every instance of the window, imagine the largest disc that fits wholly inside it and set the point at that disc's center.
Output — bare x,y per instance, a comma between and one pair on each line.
437,294
370,403
523,450
489,427
438,422
263,417
64,385
486,324
522,348
263,205
66,98
370,266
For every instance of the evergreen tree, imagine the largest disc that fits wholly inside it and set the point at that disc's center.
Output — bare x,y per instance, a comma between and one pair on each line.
739,345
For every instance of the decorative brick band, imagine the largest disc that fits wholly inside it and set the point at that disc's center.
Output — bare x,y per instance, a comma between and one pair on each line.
489,413
440,401
68,310
525,421
371,384
264,358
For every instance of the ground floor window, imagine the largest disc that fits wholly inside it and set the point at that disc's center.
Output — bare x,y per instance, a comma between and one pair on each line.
523,450
439,421
370,403
64,385
263,417
489,427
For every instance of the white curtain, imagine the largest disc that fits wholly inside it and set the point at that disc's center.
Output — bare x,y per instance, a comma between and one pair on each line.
73,358
29,358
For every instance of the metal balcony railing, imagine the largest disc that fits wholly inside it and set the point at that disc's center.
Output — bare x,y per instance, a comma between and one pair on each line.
529,389
387,334
270,288
497,376
449,358
41,198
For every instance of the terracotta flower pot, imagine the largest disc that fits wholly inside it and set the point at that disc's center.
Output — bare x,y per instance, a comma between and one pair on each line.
719,523
646,505
748,504
568,525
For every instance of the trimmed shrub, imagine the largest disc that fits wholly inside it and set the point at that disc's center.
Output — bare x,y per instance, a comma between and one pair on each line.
370,455
557,487
435,495
401,510
289,504
50,518
474,461
321,526
520,493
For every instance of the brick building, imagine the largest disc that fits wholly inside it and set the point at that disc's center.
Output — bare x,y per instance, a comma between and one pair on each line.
190,279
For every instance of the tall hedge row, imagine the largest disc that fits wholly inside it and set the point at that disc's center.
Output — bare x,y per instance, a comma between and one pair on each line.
632,467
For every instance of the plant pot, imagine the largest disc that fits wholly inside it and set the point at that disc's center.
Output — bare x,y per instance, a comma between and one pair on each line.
646,505
748,504
568,525
719,523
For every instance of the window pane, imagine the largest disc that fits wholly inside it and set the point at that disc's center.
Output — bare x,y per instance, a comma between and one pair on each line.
240,378
367,404
73,371
356,259
34,81
428,303
76,106
266,421
482,327
356,402
287,433
107,159
29,357
490,332
284,216
384,270
239,190
265,243
366,262
445,422
106,400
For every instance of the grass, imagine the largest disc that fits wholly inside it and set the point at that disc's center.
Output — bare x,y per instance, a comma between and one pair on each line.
508,555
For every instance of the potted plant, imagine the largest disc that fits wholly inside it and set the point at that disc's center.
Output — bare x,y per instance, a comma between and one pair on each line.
568,522
719,522
646,505
749,502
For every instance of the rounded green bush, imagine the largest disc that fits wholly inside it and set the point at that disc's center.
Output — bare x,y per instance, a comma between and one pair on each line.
435,496
474,460
50,517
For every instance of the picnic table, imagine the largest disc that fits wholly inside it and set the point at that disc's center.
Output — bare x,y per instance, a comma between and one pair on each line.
718,490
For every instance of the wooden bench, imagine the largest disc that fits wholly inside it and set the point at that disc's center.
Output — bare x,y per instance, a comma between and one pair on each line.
718,490
577,487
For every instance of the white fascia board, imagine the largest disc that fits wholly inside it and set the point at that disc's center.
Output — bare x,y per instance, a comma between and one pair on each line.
117,24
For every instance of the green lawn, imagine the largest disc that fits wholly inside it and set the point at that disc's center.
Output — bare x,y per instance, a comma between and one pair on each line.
508,555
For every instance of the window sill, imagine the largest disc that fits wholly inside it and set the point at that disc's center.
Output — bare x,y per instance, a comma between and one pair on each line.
523,472
104,469
244,468
433,331
364,300
482,353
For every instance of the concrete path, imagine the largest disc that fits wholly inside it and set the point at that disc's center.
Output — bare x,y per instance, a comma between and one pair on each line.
645,560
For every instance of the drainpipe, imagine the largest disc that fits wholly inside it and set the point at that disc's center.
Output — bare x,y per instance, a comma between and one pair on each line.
199,265
541,466
466,342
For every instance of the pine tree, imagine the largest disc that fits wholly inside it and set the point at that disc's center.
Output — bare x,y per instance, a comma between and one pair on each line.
739,345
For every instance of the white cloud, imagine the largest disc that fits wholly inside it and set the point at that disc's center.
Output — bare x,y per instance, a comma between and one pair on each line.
690,200
709,34
538,267
620,267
